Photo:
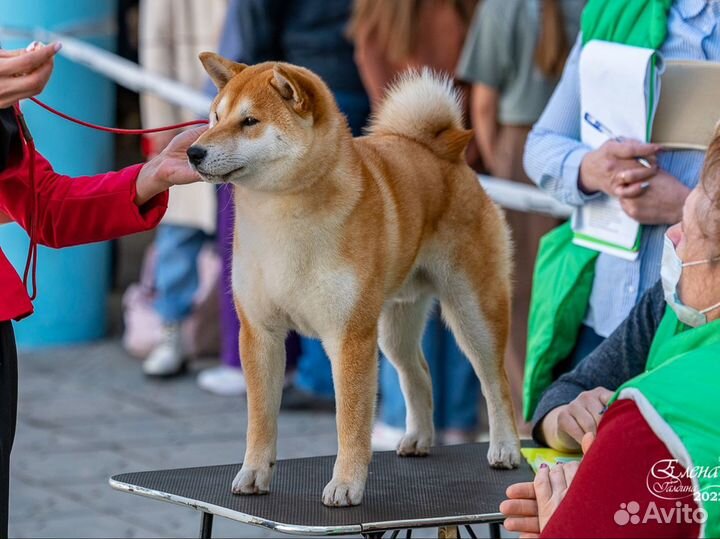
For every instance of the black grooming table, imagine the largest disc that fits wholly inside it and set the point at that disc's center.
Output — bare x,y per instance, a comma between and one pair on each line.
453,486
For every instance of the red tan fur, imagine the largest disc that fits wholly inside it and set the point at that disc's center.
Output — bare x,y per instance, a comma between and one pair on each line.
351,240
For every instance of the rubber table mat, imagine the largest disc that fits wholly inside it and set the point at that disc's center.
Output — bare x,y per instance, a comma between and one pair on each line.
453,485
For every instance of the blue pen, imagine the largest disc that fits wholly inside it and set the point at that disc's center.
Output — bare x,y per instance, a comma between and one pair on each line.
605,130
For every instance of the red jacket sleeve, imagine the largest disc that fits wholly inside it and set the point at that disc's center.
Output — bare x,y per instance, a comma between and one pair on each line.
609,496
72,211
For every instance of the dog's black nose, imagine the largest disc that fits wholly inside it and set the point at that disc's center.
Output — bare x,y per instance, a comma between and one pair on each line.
196,154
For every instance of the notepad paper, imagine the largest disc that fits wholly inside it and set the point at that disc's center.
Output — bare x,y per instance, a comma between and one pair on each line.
536,456
618,87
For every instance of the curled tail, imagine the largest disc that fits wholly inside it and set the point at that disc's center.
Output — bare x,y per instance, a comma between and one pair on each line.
425,107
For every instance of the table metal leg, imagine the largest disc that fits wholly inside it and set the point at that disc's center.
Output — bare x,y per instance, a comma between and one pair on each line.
495,530
206,526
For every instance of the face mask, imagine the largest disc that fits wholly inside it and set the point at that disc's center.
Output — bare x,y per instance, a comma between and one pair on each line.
670,273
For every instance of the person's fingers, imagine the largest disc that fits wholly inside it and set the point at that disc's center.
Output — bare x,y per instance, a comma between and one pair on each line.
4,53
633,174
587,420
599,405
631,208
631,191
587,441
543,489
604,395
582,417
182,141
590,401
522,524
529,535
628,149
570,469
28,62
568,424
183,175
524,491
29,84
519,508
557,479
13,89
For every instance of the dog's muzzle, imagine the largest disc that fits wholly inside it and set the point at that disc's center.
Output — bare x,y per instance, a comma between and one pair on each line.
196,154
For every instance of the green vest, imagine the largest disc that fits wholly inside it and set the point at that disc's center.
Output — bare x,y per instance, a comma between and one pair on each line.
564,272
678,398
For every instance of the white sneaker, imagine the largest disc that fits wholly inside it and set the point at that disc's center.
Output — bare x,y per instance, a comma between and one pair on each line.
223,380
167,359
385,437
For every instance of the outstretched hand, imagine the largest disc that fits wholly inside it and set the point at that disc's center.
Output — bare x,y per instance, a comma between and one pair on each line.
174,166
170,167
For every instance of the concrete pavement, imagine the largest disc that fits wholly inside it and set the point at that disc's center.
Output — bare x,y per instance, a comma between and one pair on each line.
87,413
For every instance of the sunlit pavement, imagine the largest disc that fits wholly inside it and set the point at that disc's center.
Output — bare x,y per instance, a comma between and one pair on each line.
87,413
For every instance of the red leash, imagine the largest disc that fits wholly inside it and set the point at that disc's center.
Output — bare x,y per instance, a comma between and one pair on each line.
114,129
31,262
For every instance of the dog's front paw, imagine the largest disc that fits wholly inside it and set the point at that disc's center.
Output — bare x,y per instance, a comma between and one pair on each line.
414,444
343,494
250,481
505,454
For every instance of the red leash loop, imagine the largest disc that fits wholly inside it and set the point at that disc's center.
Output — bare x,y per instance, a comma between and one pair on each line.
31,261
114,129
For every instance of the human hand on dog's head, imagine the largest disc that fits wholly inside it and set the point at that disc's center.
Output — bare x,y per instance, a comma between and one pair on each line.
24,73
170,167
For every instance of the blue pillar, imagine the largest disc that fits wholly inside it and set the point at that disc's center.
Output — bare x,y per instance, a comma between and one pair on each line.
72,283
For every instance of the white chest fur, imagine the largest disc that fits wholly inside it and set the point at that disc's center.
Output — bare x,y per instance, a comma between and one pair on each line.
291,274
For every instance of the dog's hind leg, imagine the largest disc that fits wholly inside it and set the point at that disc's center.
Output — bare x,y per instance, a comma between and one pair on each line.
354,361
401,330
478,313
263,354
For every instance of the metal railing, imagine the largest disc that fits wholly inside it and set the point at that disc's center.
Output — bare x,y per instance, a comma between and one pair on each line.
506,193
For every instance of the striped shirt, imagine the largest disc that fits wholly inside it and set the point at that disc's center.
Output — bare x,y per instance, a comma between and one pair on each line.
554,152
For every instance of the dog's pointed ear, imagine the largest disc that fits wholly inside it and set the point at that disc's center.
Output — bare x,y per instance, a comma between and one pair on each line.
220,69
290,87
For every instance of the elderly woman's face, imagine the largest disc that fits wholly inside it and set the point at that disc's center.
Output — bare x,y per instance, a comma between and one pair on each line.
687,236
696,239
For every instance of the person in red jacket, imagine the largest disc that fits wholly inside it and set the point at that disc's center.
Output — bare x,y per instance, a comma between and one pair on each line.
59,211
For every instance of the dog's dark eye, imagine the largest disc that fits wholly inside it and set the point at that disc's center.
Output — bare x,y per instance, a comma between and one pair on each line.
250,121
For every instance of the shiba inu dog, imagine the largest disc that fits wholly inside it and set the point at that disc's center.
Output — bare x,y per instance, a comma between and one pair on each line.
350,240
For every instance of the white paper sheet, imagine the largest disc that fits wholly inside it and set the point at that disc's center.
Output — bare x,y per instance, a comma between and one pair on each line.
615,83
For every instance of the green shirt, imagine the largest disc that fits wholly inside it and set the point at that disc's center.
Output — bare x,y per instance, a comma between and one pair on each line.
500,52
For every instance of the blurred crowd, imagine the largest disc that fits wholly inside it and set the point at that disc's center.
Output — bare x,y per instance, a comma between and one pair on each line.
505,57
617,351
